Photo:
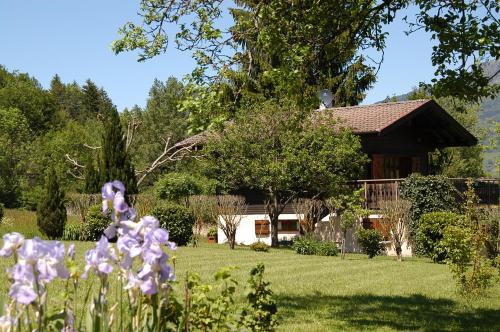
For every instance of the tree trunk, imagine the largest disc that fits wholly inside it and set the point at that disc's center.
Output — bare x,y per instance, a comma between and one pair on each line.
232,241
274,229
399,253
342,255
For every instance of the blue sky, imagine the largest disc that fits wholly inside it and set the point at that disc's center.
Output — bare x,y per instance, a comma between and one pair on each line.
72,39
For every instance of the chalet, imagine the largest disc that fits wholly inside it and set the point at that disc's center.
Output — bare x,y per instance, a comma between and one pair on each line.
397,137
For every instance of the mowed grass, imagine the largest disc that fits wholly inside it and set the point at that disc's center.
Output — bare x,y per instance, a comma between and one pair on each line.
329,294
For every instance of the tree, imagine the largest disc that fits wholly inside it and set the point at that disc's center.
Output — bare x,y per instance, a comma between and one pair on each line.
279,151
395,222
467,35
115,162
347,207
204,209
466,244
230,209
309,212
272,49
300,47
159,122
27,95
14,133
51,212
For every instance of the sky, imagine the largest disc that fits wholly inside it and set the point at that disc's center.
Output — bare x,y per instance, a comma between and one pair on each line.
73,38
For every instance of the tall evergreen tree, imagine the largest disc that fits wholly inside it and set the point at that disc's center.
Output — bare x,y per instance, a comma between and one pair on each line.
92,99
115,162
51,212
92,181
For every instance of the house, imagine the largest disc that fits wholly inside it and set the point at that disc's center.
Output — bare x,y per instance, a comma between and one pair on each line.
397,137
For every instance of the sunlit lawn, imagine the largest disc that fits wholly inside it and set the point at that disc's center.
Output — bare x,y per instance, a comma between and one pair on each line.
328,294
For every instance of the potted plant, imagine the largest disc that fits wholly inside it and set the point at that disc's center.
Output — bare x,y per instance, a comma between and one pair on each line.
212,235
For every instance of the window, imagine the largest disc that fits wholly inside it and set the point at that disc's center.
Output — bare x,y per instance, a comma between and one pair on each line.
262,228
288,225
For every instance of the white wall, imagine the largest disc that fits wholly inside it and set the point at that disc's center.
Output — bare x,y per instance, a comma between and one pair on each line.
245,234
326,230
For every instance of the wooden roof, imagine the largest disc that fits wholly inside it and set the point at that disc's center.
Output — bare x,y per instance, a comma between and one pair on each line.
425,114
383,117
374,118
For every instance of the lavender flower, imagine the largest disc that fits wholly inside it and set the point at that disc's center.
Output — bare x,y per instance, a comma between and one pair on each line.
11,242
6,323
39,262
100,259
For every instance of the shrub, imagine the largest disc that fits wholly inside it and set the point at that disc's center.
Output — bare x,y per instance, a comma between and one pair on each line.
176,186
259,246
427,194
95,224
177,219
72,232
212,231
305,245
325,248
51,212
2,211
430,232
308,245
369,240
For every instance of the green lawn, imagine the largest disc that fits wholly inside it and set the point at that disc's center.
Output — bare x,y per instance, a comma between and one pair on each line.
328,294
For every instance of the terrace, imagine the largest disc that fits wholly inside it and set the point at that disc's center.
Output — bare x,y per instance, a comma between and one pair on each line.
378,190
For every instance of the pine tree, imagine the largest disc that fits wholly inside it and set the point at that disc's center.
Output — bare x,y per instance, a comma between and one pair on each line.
51,212
115,162
92,181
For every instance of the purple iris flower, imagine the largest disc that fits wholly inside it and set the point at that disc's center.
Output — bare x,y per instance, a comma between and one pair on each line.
119,203
22,292
11,242
148,286
100,258
23,288
71,251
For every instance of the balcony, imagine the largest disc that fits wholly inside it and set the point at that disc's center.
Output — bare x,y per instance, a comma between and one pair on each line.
376,191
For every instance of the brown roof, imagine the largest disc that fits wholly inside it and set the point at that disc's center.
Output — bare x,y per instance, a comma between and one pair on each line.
374,118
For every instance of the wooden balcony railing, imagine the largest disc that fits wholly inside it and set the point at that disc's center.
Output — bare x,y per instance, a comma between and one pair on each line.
376,191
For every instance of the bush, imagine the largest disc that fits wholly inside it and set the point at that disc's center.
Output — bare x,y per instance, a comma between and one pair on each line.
175,186
51,213
95,224
427,194
177,219
2,211
430,232
212,231
73,232
259,246
305,245
324,248
369,241
308,245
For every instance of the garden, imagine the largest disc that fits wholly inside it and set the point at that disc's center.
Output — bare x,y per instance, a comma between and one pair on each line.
306,286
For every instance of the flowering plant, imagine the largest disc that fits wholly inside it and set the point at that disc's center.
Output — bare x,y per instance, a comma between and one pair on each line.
141,265
139,257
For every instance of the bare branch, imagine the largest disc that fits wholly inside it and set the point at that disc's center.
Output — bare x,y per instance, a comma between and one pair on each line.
72,161
91,147
170,153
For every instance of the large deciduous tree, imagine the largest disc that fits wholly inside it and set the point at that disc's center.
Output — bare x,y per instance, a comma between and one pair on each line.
297,48
281,151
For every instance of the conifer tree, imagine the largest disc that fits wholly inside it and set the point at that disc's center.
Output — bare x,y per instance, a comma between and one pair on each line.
92,180
115,162
51,212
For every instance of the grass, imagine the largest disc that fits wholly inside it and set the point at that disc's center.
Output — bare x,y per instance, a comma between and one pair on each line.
327,294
